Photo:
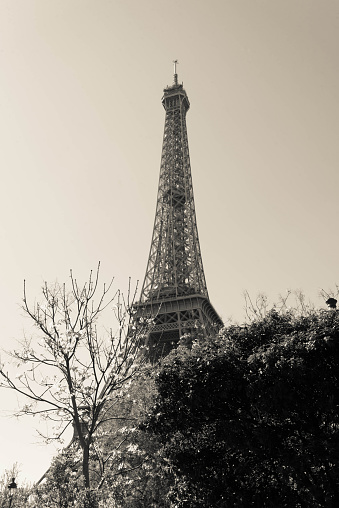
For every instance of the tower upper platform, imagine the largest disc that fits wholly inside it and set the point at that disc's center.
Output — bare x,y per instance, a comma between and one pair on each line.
171,96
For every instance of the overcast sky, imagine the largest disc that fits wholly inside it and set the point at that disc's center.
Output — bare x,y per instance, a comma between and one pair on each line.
81,125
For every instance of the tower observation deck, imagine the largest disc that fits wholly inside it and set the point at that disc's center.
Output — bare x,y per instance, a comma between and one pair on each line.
174,292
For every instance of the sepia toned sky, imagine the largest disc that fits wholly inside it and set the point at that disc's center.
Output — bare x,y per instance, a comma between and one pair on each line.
81,126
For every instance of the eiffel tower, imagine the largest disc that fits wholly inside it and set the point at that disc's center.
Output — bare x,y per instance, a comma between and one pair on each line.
174,292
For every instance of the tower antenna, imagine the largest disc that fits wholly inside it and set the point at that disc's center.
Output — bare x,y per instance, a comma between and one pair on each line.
175,62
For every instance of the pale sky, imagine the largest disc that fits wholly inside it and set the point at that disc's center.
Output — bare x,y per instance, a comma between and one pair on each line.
81,125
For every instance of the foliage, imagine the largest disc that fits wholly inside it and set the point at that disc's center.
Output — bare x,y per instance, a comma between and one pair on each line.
139,477
250,418
62,485
76,368
132,474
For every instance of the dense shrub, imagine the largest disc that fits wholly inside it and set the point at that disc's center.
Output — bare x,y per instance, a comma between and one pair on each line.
250,418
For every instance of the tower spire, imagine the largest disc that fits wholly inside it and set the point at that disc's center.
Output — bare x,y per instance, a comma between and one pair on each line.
174,292
175,62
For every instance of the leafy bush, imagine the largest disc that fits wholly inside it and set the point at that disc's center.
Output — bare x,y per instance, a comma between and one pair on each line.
250,418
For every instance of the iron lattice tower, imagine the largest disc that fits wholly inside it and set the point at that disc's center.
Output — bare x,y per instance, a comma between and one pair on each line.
174,292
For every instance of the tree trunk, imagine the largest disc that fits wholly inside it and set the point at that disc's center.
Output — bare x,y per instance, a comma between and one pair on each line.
85,465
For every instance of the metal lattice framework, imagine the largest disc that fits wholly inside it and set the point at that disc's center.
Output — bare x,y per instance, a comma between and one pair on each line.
175,265
174,293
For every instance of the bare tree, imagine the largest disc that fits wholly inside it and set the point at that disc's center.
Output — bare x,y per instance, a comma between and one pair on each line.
255,309
74,370
260,307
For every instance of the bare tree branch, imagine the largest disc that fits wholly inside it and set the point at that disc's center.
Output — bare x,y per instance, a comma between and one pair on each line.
74,371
